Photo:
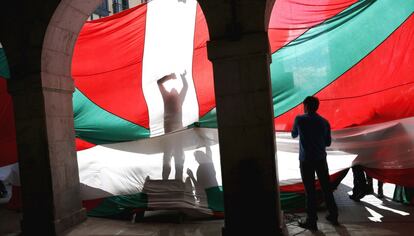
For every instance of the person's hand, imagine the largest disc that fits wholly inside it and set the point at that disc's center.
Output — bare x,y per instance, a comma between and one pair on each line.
165,78
184,74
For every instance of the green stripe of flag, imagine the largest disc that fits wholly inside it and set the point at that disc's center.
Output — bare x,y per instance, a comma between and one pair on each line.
116,205
98,126
4,66
209,120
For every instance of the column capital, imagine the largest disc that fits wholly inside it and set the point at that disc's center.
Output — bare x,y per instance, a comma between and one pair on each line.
249,44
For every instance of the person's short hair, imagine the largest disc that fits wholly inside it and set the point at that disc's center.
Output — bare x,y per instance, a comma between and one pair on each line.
311,103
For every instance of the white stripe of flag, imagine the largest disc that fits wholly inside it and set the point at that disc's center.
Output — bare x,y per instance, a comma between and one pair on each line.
168,49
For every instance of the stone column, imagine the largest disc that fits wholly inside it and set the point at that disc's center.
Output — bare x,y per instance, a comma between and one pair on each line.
47,158
246,135
39,59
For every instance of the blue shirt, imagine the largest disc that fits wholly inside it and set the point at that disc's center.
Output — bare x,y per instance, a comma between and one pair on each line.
314,136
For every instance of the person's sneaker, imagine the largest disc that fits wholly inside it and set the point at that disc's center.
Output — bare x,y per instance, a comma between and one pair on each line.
355,198
333,220
312,226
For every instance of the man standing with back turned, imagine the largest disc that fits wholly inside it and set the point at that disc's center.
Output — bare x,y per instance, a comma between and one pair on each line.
314,136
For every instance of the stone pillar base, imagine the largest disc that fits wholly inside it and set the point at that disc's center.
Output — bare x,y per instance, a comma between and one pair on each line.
66,223
57,227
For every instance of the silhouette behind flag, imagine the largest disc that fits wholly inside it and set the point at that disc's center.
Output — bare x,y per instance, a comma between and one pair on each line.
173,121
206,175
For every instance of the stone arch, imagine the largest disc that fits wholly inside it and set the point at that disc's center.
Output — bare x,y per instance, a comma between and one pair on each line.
59,41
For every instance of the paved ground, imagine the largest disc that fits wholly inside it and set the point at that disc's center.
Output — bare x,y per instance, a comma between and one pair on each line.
371,216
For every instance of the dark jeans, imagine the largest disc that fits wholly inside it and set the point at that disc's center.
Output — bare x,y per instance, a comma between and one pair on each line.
307,171
362,183
369,182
